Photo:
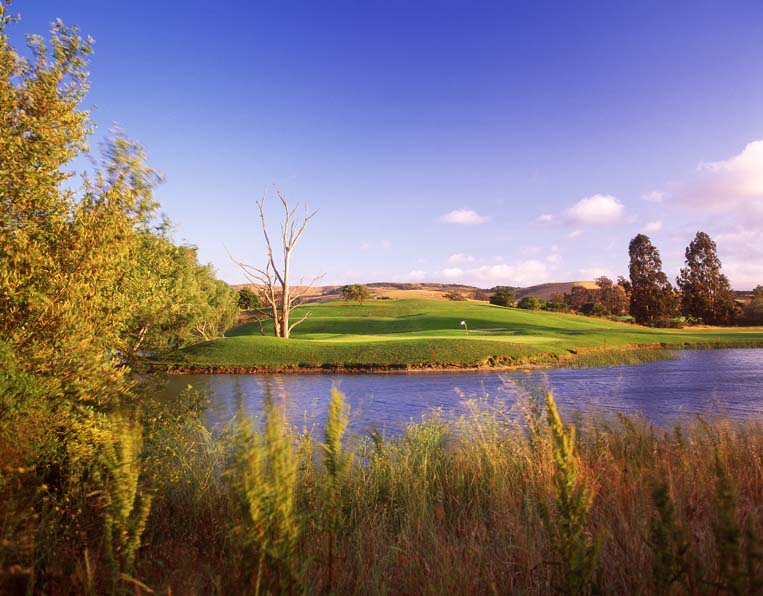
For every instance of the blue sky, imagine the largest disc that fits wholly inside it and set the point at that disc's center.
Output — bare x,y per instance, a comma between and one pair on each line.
486,143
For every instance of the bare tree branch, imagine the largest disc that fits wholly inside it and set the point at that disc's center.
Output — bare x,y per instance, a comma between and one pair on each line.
302,320
272,282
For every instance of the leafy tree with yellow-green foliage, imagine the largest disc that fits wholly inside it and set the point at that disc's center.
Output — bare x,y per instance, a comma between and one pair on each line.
90,283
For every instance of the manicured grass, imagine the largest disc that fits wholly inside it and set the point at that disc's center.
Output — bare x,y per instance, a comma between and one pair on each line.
418,333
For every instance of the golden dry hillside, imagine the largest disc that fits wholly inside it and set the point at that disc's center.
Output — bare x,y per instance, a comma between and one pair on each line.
436,291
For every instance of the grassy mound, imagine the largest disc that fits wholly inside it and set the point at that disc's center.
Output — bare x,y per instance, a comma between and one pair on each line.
418,334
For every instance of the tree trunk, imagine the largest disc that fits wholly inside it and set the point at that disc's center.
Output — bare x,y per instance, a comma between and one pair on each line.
285,296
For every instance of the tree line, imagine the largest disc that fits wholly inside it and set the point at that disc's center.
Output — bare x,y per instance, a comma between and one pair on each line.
702,293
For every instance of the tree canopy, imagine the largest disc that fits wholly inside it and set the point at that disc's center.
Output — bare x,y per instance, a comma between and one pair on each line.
247,299
705,292
502,296
753,311
531,303
652,299
89,278
356,292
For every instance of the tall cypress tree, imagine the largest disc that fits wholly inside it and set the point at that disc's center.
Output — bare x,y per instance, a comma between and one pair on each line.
652,299
705,292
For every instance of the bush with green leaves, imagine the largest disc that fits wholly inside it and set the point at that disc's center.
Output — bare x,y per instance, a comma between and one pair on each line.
357,292
502,296
454,296
531,303
248,300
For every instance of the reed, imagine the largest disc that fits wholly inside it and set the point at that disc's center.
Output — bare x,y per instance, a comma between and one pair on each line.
578,553
126,506
500,500
270,481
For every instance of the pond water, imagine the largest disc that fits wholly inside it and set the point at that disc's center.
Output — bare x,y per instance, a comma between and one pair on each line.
712,383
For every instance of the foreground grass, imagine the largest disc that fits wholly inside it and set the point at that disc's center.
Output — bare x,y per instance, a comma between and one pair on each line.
421,333
499,501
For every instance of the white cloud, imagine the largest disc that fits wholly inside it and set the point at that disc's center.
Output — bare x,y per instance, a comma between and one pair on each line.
726,185
743,275
575,234
452,273
464,217
741,251
554,259
527,272
545,218
460,259
416,275
652,226
596,210
656,196
730,192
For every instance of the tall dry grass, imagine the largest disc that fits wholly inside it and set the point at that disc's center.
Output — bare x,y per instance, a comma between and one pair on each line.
502,500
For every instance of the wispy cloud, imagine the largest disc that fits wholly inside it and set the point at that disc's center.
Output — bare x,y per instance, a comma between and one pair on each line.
730,192
464,217
656,196
382,245
652,226
460,259
741,249
720,186
416,275
527,272
575,234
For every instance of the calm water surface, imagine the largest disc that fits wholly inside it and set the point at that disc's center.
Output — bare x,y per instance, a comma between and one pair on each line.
713,383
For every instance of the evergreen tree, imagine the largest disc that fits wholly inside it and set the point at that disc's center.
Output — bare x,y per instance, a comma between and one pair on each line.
705,291
652,299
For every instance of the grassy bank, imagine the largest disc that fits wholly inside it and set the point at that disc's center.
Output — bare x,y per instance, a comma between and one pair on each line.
499,501
420,334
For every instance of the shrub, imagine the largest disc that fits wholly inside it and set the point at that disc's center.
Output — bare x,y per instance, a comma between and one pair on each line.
356,292
454,296
556,306
531,303
593,309
248,299
502,296
579,555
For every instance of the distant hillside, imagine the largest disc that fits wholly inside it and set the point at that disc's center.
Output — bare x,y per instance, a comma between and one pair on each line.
546,290
436,290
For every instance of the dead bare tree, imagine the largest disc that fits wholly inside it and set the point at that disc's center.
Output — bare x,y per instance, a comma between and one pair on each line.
272,281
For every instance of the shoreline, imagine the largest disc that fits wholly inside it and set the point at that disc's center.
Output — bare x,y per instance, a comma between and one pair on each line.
581,358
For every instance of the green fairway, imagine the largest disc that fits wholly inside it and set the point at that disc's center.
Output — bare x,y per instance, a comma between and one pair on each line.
417,333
